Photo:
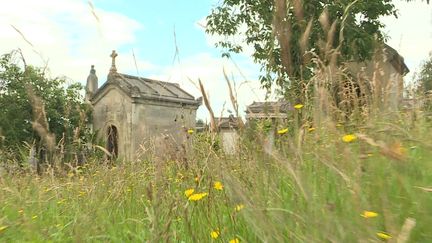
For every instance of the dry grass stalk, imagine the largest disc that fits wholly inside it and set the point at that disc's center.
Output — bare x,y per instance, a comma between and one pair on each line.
32,46
213,127
298,10
304,42
330,39
282,32
393,151
344,18
135,62
93,11
326,82
424,188
407,227
233,99
22,35
324,20
40,122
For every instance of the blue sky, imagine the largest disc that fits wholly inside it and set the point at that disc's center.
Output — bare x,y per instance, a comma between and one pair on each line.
160,20
67,38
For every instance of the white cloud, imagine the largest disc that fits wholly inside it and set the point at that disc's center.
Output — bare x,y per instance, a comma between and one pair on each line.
210,70
238,39
411,33
66,34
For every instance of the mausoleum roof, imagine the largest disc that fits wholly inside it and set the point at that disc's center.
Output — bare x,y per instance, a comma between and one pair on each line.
396,60
268,107
139,87
230,122
144,88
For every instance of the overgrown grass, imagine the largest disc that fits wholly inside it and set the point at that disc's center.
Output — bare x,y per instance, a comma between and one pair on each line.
314,188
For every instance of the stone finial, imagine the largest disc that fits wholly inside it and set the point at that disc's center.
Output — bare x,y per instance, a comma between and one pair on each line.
113,65
92,84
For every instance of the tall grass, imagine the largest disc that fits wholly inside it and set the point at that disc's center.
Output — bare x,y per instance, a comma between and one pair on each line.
310,194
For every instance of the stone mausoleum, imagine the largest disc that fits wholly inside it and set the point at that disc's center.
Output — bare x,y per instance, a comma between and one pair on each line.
133,115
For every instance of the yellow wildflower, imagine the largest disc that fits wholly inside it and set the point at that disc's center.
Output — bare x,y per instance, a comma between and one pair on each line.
197,196
311,129
298,106
384,236
3,228
189,192
218,185
369,214
214,234
349,138
190,131
238,207
282,131
235,240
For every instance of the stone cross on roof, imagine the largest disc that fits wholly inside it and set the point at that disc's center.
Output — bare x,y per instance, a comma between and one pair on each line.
113,66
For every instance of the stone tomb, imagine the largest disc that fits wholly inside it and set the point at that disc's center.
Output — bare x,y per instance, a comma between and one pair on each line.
134,114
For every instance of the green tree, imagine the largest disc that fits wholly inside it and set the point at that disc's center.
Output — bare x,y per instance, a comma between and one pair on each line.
64,107
425,76
285,33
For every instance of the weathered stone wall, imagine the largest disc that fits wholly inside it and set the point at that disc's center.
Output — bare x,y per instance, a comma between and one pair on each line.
114,109
388,84
160,127
229,140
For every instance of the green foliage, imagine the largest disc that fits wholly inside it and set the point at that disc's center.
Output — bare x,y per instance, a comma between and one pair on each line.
254,22
425,76
64,107
205,140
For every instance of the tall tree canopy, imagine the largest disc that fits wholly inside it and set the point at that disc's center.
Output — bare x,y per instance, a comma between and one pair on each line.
284,32
63,106
425,75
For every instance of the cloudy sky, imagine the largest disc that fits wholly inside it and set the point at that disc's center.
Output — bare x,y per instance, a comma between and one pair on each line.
160,39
